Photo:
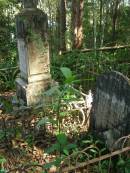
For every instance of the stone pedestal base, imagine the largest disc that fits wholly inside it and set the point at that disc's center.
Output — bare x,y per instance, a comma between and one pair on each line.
31,93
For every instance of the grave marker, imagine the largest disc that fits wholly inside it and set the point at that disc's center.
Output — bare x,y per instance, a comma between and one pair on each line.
33,49
110,116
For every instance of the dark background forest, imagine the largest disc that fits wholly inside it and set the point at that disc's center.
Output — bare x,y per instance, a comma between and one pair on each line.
74,27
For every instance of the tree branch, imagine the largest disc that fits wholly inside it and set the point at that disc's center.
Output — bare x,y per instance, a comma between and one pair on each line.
99,49
83,164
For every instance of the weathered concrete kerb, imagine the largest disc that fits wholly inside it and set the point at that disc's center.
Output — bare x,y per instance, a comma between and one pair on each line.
110,115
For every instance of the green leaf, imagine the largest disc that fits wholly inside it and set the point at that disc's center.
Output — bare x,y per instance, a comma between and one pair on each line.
93,151
2,160
54,147
66,152
66,72
3,171
127,170
87,141
49,165
62,139
98,142
121,162
128,161
2,135
53,91
71,146
56,163
102,150
70,80
54,121
63,114
43,121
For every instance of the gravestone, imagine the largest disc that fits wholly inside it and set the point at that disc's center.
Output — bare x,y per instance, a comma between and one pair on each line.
33,50
110,117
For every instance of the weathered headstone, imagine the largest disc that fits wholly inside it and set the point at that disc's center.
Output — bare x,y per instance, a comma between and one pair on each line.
33,49
111,107
30,3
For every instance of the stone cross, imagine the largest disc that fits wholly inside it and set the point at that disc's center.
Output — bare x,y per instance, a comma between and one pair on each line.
33,50
110,116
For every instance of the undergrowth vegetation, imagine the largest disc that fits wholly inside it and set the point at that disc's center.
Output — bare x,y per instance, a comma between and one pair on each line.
60,133
86,67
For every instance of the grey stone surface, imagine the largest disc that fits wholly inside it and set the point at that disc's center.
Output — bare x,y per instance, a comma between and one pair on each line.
32,93
110,115
33,49
30,3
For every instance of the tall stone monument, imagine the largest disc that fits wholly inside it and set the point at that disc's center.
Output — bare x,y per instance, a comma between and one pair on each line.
33,50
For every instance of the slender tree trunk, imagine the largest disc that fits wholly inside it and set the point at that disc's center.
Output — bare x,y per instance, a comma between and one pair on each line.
114,20
101,14
94,28
58,28
77,27
50,29
62,25
104,12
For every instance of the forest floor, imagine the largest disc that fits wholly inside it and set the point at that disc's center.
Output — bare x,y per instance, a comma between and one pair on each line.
22,144
25,140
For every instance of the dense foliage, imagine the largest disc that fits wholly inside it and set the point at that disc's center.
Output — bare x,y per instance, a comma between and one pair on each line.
57,129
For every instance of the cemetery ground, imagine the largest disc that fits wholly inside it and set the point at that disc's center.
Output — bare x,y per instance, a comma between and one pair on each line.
56,139
26,135
29,140
45,140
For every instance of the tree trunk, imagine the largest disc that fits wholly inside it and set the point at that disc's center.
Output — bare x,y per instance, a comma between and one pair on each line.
94,27
77,27
101,15
62,24
58,29
114,20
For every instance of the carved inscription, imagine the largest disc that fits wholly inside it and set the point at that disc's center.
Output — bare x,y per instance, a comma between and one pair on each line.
38,60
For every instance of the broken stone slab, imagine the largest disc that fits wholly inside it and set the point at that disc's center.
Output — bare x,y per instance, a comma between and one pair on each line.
110,115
